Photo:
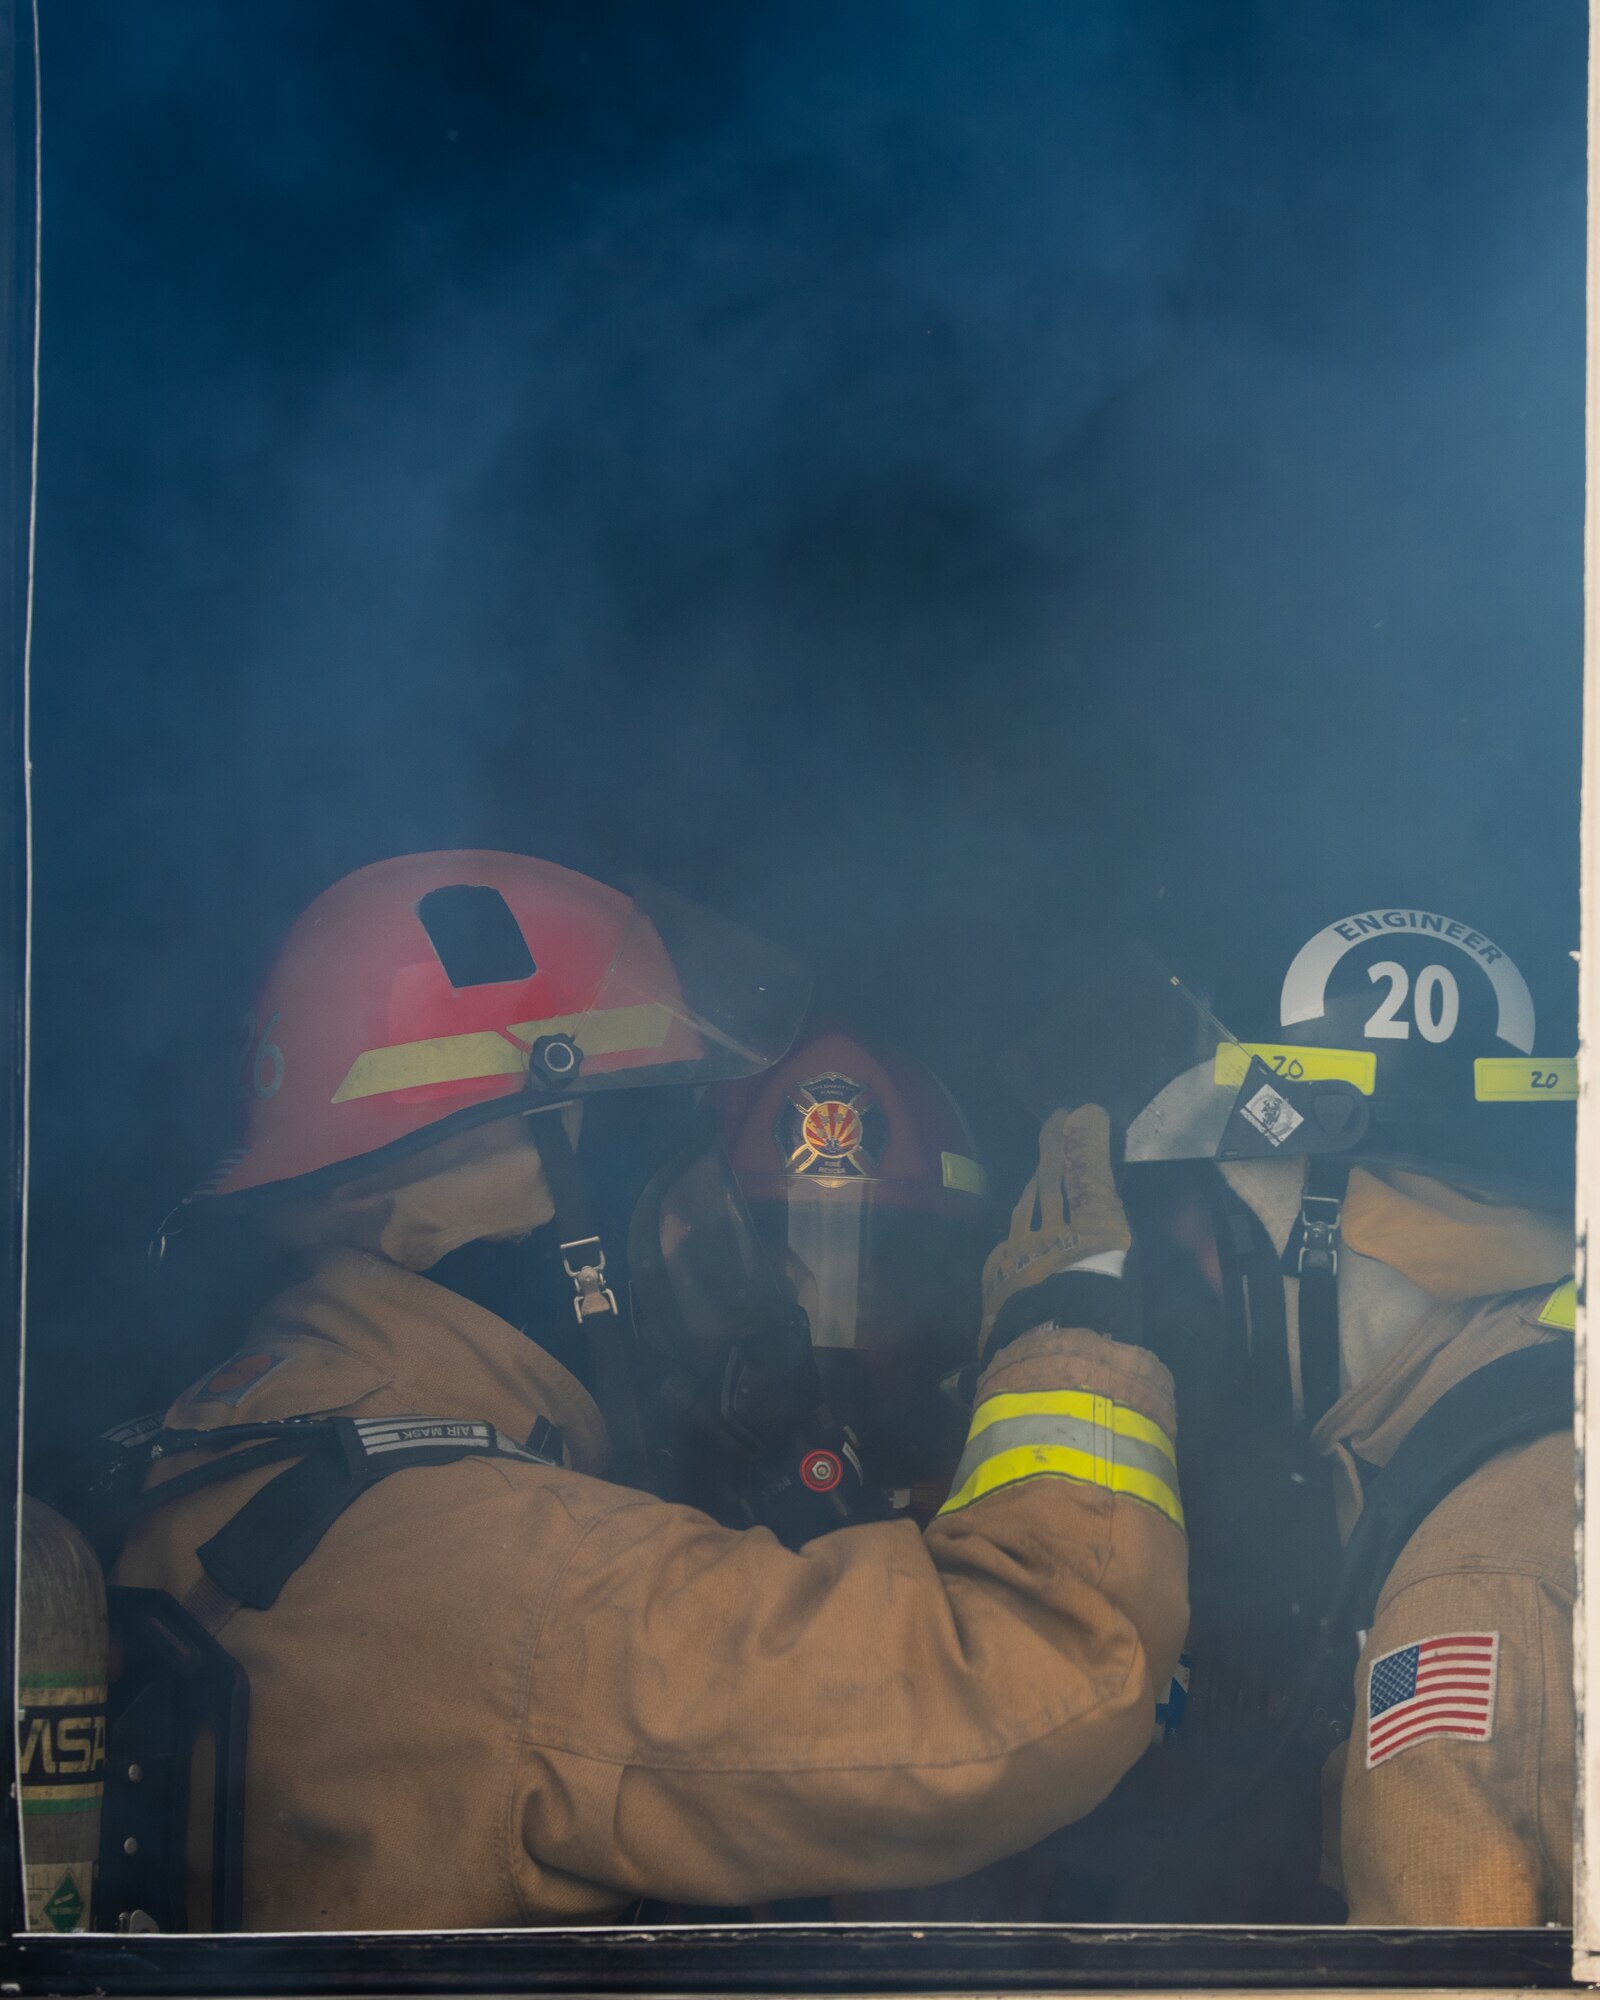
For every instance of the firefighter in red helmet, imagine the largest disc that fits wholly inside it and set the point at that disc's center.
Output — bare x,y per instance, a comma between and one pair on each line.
490,1686
858,1175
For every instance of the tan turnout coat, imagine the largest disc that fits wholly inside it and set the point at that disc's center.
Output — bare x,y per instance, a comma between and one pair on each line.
1450,1830
503,1694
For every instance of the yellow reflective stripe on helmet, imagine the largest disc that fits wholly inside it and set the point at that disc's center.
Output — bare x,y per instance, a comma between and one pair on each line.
1066,1434
447,1059
1561,1308
962,1174
1526,1079
1357,1066
606,1031
1497,1079
1080,1403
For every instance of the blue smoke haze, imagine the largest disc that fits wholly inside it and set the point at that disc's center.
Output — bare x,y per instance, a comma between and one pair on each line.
937,482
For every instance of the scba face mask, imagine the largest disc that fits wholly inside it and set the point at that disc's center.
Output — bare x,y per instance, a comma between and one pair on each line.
837,1194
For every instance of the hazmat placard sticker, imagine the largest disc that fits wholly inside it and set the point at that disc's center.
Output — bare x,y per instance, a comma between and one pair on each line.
58,1895
1273,1116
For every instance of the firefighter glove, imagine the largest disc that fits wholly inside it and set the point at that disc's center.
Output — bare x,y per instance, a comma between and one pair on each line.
1062,1262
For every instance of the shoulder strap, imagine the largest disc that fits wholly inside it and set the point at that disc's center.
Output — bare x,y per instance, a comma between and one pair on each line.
1511,1401
251,1558
1313,1256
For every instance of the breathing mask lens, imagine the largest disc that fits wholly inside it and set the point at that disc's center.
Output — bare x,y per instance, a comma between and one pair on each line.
702,1282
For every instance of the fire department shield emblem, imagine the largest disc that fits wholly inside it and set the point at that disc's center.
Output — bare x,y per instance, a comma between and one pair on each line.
833,1129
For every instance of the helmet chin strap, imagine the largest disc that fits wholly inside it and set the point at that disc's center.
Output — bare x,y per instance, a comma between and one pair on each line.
594,1303
583,1255
1278,1194
1374,1307
1312,1255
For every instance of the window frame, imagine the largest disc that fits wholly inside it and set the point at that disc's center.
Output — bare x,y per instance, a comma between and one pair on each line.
1586,1621
801,1958
732,1958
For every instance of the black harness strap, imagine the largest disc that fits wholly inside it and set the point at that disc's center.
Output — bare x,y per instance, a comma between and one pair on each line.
248,1561
1313,1257
583,1255
1508,1402
1512,1401
230,1467
178,1686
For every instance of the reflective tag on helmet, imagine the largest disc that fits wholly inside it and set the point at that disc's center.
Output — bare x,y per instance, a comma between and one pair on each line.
1526,1079
962,1174
1355,1066
1561,1308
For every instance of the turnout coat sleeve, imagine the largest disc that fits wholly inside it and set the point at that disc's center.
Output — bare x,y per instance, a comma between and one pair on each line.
712,1718
1471,1829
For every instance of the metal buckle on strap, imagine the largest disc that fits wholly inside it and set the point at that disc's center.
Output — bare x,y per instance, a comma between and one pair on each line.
594,1295
1319,1233
138,1434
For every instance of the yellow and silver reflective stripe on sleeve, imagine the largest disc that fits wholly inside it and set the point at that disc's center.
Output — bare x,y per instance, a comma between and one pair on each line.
1066,1434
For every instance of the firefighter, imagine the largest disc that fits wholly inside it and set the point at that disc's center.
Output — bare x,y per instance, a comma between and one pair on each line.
490,1686
1389,1248
859,1178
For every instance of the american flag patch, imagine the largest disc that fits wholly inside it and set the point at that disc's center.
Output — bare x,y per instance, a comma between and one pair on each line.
1438,1687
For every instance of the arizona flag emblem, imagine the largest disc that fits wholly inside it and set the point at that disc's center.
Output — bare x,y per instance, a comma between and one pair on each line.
1438,1687
832,1129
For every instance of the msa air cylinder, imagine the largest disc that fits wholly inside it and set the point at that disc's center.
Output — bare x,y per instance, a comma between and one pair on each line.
61,1718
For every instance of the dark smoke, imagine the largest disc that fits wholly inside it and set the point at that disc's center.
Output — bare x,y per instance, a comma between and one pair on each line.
938,482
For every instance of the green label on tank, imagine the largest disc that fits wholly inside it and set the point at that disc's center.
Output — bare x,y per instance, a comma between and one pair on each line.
66,1906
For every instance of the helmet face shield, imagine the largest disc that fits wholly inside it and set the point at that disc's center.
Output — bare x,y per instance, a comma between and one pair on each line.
871,1274
687,998
702,1280
857,1168
1238,1107
832,1202
891,1295
1185,1121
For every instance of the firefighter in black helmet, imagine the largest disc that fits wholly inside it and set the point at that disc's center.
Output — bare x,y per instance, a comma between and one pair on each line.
1382,1172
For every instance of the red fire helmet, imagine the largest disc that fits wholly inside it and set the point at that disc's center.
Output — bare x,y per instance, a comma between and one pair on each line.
412,993
837,1116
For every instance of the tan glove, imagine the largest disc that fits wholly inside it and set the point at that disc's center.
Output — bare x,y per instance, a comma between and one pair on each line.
1069,1212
